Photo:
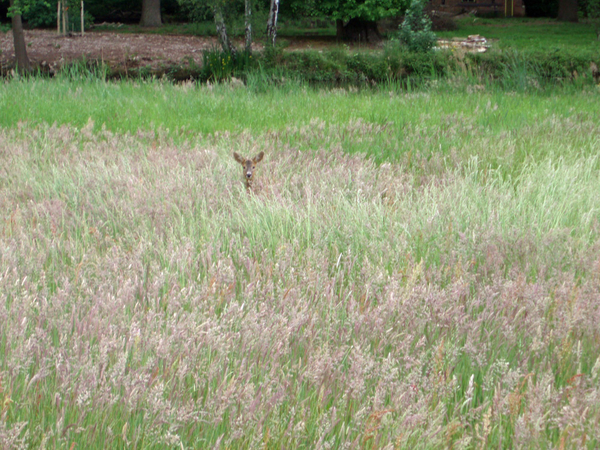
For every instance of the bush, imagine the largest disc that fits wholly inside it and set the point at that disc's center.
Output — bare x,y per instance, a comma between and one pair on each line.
415,30
39,14
218,65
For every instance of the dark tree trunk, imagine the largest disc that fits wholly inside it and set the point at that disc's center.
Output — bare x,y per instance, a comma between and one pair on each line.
361,31
23,64
339,29
222,31
248,23
567,10
150,13
272,21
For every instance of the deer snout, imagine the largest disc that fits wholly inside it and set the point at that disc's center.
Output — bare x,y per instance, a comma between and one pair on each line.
248,174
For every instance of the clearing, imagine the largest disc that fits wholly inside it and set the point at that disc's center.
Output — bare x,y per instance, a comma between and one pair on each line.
128,50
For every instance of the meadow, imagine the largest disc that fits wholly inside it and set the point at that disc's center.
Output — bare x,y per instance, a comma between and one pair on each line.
415,269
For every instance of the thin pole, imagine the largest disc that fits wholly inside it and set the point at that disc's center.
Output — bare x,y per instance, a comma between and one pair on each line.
64,17
58,19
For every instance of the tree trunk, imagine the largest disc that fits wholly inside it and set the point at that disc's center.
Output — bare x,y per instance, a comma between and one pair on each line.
222,31
272,21
247,18
567,10
23,64
150,13
339,29
361,31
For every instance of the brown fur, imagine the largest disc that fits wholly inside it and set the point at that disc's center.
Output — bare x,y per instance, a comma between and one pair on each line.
249,166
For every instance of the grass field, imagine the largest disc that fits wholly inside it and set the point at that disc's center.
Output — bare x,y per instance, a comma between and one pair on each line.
414,270
531,34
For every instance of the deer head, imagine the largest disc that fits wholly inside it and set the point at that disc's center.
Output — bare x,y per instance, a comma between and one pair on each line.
249,166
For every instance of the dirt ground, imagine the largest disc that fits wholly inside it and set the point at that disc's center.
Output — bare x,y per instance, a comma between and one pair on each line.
124,50
46,48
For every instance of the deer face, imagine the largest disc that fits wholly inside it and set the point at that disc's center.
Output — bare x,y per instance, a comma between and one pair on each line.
249,165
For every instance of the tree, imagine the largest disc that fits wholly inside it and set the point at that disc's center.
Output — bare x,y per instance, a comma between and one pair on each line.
415,30
150,13
248,25
23,64
222,35
356,19
568,10
226,14
272,21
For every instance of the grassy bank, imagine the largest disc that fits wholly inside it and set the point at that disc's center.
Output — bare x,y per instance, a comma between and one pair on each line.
416,269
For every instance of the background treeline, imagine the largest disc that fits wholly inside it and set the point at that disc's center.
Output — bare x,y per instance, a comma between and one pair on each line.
42,13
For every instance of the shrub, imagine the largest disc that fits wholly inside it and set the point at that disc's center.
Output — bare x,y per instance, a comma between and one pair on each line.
415,30
219,65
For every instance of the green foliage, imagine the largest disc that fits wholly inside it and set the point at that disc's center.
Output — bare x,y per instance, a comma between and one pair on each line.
111,9
593,12
218,65
196,11
373,67
366,9
590,8
42,13
415,31
200,12
39,13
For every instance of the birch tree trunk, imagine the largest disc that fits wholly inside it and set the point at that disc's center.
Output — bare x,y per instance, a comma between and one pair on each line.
222,31
248,23
23,64
272,21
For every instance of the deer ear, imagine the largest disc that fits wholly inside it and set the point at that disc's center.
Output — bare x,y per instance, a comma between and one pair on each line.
238,158
258,158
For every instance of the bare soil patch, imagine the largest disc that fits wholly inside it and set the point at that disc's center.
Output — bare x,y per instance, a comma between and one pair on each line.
128,50
46,48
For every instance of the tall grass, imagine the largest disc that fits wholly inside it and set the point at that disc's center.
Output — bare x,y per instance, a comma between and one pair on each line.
413,270
449,114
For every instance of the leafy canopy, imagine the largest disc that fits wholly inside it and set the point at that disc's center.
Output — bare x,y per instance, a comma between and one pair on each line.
350,9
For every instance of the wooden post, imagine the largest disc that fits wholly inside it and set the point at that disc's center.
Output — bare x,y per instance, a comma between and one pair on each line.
82,31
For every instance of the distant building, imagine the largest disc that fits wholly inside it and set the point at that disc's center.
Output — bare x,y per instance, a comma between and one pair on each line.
503,8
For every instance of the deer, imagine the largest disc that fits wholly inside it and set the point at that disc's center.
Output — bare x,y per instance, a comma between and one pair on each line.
249,166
